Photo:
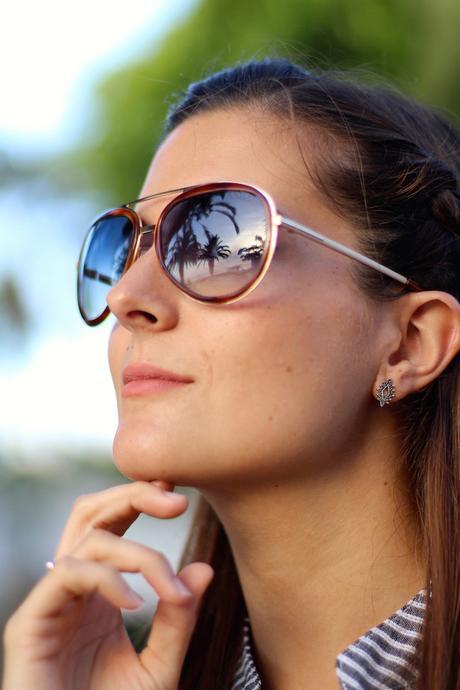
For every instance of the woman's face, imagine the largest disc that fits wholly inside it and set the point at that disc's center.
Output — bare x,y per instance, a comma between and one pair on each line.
272,374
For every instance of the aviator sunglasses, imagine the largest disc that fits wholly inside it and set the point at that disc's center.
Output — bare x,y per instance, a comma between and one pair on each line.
214,241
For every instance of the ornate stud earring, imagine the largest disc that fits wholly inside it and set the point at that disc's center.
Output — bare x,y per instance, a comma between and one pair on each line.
386,392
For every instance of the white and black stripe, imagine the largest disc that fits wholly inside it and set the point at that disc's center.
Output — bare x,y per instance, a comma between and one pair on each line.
384,658
246,676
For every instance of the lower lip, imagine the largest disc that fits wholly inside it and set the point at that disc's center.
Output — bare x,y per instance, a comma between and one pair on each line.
149,387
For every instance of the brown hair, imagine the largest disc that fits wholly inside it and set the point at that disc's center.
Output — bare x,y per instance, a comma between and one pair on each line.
397,180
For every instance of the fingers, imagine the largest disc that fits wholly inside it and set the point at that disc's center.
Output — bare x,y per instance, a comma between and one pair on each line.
115,509
128,556
70,579
91,559
96,566
173,626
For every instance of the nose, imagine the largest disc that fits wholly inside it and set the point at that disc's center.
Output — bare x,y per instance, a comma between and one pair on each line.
144,297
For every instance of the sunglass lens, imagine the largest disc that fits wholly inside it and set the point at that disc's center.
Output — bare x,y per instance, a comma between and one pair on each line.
102,262
214,245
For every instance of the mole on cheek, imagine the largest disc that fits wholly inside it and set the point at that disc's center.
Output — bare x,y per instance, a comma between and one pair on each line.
288,369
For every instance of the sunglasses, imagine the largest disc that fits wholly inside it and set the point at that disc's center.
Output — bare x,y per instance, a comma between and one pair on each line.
214,241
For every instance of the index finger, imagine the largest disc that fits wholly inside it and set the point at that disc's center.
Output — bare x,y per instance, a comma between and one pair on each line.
115,509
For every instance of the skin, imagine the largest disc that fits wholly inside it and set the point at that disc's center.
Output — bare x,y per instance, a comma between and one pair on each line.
279,430
68,634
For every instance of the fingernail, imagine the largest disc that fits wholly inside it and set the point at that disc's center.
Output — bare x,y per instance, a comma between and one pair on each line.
171,494
136,598
161,484
181,588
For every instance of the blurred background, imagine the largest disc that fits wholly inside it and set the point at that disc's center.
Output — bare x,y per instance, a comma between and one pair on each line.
85,89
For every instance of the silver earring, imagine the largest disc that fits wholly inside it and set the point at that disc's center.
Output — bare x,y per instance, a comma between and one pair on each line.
386,392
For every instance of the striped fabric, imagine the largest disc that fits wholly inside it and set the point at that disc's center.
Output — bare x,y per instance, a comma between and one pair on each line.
383,658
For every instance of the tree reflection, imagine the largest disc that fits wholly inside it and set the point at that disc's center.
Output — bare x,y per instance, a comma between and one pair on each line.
119,259
254,252
213,249
184,248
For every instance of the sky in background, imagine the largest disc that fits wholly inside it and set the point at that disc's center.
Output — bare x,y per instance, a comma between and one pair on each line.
56,392
53,51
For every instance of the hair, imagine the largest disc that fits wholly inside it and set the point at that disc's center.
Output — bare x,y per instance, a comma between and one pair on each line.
390,165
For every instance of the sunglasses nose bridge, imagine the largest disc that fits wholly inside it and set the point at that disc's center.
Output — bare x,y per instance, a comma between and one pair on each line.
146,235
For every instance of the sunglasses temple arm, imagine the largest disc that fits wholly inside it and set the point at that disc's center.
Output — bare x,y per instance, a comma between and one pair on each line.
303,230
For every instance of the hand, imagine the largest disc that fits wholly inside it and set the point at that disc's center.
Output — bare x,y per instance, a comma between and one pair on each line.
68,634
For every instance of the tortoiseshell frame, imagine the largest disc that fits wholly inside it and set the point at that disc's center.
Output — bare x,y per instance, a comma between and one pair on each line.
275,221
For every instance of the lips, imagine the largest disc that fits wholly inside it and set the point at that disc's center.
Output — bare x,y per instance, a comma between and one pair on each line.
146,379
134,372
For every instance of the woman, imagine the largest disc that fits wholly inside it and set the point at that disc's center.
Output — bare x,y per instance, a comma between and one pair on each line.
289,347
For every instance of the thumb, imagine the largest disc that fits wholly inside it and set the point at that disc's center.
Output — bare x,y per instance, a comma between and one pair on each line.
172,628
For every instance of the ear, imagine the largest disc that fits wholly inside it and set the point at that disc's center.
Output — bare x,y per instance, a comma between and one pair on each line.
427,337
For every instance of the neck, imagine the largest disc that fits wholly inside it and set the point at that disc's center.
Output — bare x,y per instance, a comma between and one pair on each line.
322,560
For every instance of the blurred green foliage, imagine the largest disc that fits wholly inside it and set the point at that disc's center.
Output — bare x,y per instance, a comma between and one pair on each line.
412,43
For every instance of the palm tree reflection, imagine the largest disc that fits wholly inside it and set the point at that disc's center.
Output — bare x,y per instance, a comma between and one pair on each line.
184,250
192,215
254,252
213,249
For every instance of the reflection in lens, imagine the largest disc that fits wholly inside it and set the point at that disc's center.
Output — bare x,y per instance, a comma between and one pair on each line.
215,244
102,262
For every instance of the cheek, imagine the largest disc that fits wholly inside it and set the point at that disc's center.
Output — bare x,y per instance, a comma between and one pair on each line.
272,396
281,387
117,349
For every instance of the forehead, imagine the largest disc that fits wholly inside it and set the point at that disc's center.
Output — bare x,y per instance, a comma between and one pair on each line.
232,145
243,145
227,142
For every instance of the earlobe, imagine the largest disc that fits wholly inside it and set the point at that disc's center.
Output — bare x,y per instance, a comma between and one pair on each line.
429,328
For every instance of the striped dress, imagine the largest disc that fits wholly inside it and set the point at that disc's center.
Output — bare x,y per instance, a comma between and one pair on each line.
383,658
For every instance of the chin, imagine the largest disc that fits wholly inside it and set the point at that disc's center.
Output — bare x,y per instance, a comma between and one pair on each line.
142,459
136,462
